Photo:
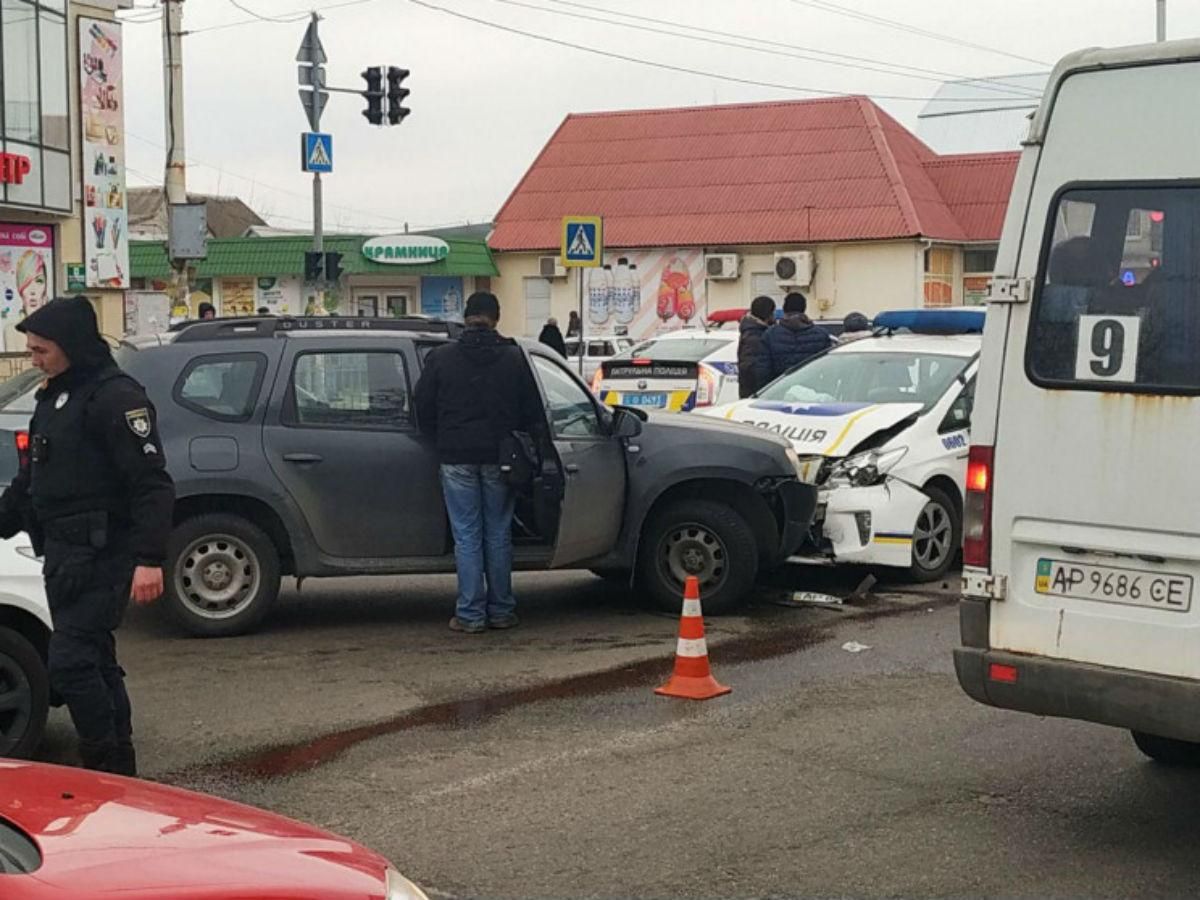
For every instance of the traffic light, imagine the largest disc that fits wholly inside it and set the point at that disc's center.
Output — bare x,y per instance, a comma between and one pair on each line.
373,76
396,92
312,266
333,266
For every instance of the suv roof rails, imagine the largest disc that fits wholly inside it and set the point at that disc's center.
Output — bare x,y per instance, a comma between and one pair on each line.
267,326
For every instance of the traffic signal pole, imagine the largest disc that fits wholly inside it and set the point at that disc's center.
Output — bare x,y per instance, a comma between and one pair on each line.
316,57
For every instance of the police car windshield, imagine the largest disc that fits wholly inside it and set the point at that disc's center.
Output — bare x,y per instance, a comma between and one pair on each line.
674,350
869,378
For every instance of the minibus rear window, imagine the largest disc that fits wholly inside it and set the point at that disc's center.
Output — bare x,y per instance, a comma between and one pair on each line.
1117,306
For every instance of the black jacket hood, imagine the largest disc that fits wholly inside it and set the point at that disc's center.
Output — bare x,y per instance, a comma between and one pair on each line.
71,323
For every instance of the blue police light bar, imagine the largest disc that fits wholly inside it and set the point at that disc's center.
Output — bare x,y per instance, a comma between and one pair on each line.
932,321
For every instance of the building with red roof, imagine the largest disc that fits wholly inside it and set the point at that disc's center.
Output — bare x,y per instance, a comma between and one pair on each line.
712,206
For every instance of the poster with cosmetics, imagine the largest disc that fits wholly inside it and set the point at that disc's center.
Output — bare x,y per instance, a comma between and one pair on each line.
102,114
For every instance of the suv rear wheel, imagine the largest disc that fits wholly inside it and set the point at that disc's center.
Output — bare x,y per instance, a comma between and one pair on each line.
222,575
1168,751
24,695
698,537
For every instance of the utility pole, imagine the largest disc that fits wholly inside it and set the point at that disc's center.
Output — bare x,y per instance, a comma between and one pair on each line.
316,56
175,180
1162,20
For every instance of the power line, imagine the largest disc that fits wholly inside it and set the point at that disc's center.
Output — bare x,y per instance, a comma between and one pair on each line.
838,10
248,11
859,64
735,79
260,20
766,42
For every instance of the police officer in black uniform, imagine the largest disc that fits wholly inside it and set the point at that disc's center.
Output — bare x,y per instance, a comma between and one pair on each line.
97,501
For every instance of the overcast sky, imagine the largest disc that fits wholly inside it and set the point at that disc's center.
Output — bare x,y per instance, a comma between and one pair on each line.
484,101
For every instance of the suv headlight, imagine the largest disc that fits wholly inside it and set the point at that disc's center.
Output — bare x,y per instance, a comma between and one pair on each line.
865,469
400,888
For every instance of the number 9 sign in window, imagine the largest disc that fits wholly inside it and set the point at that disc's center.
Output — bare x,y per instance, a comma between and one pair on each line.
1107,349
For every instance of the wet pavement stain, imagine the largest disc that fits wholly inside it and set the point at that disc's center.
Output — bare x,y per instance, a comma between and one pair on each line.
289,759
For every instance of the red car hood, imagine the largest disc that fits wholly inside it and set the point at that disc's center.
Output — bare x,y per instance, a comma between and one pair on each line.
106,836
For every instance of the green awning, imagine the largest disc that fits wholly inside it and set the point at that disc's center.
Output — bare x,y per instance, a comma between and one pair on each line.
282,256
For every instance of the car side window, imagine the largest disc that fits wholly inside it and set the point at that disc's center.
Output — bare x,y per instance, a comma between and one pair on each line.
572,412
958,416
223,387
349,390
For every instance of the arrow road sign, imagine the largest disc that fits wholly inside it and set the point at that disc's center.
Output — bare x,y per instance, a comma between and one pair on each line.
314,104
311,49
316,152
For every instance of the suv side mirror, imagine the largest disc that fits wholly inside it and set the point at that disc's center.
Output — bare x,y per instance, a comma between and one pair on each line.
626,424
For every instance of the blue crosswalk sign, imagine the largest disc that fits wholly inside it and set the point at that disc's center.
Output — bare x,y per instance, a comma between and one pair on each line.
316,152
581,241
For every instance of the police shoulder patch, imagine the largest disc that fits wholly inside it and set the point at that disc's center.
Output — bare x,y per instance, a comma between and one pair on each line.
138,421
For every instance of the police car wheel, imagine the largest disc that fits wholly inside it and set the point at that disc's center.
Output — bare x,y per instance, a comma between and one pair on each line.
708,540
222,575
1168,751
24,695
936,536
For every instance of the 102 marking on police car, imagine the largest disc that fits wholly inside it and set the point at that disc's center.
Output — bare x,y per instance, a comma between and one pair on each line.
1113,584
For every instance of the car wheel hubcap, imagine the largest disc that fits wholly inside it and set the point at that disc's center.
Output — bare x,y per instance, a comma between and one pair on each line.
217,576
693,550
932,536
16,703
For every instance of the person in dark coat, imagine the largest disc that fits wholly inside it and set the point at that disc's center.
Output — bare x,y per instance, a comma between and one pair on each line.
754,363
473,394
97,502
552,337
574,326
794,338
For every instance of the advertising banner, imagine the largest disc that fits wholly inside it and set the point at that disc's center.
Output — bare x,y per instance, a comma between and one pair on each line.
26,277
442,297
645,292
280,296
106,219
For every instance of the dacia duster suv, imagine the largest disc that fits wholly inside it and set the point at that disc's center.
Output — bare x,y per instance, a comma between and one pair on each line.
295,451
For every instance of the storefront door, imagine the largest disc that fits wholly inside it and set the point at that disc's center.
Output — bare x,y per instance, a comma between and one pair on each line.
381,303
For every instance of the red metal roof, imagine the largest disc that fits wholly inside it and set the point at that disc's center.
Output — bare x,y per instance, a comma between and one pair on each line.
838,169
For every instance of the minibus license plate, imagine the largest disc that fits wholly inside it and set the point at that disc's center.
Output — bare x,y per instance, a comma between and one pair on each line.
1113,584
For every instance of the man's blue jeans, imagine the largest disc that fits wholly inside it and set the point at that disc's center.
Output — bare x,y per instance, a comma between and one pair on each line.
480,506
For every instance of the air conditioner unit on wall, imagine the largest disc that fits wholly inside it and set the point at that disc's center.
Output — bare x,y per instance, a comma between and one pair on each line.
551,267
721,266
795,268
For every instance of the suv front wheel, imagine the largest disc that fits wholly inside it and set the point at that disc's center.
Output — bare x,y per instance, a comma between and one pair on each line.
222,575
702,538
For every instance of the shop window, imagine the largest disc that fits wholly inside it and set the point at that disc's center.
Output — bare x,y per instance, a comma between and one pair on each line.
344,389
34,112
979,260
939,276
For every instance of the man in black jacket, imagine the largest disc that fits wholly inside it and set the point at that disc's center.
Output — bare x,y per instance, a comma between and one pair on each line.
473,394
794,338
754,363
97,501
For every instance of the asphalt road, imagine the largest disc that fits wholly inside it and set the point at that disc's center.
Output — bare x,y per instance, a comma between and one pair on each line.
538,762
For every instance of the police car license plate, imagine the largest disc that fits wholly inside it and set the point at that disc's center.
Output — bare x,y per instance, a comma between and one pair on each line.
1113,584
653,400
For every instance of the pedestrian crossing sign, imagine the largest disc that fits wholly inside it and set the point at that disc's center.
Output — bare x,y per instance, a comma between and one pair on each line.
316,152
582,241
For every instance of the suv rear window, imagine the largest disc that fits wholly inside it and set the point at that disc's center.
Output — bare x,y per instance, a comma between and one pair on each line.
349,389
1118,299
222,387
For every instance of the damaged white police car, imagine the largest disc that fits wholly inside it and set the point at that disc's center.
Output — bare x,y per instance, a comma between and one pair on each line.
881,427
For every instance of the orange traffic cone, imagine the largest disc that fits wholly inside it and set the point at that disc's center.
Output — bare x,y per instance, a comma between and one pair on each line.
692,679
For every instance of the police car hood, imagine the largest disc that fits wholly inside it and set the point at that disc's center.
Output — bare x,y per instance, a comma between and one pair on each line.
818,429
698,427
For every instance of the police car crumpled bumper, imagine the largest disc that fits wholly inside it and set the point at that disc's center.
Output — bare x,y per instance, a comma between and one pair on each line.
869,525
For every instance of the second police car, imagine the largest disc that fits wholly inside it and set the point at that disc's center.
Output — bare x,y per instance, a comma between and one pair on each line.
881,427
677,371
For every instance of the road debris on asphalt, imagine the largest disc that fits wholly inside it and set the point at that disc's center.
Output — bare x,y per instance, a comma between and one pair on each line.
855,647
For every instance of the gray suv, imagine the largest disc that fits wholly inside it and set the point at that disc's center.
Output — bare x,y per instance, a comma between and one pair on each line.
294,450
